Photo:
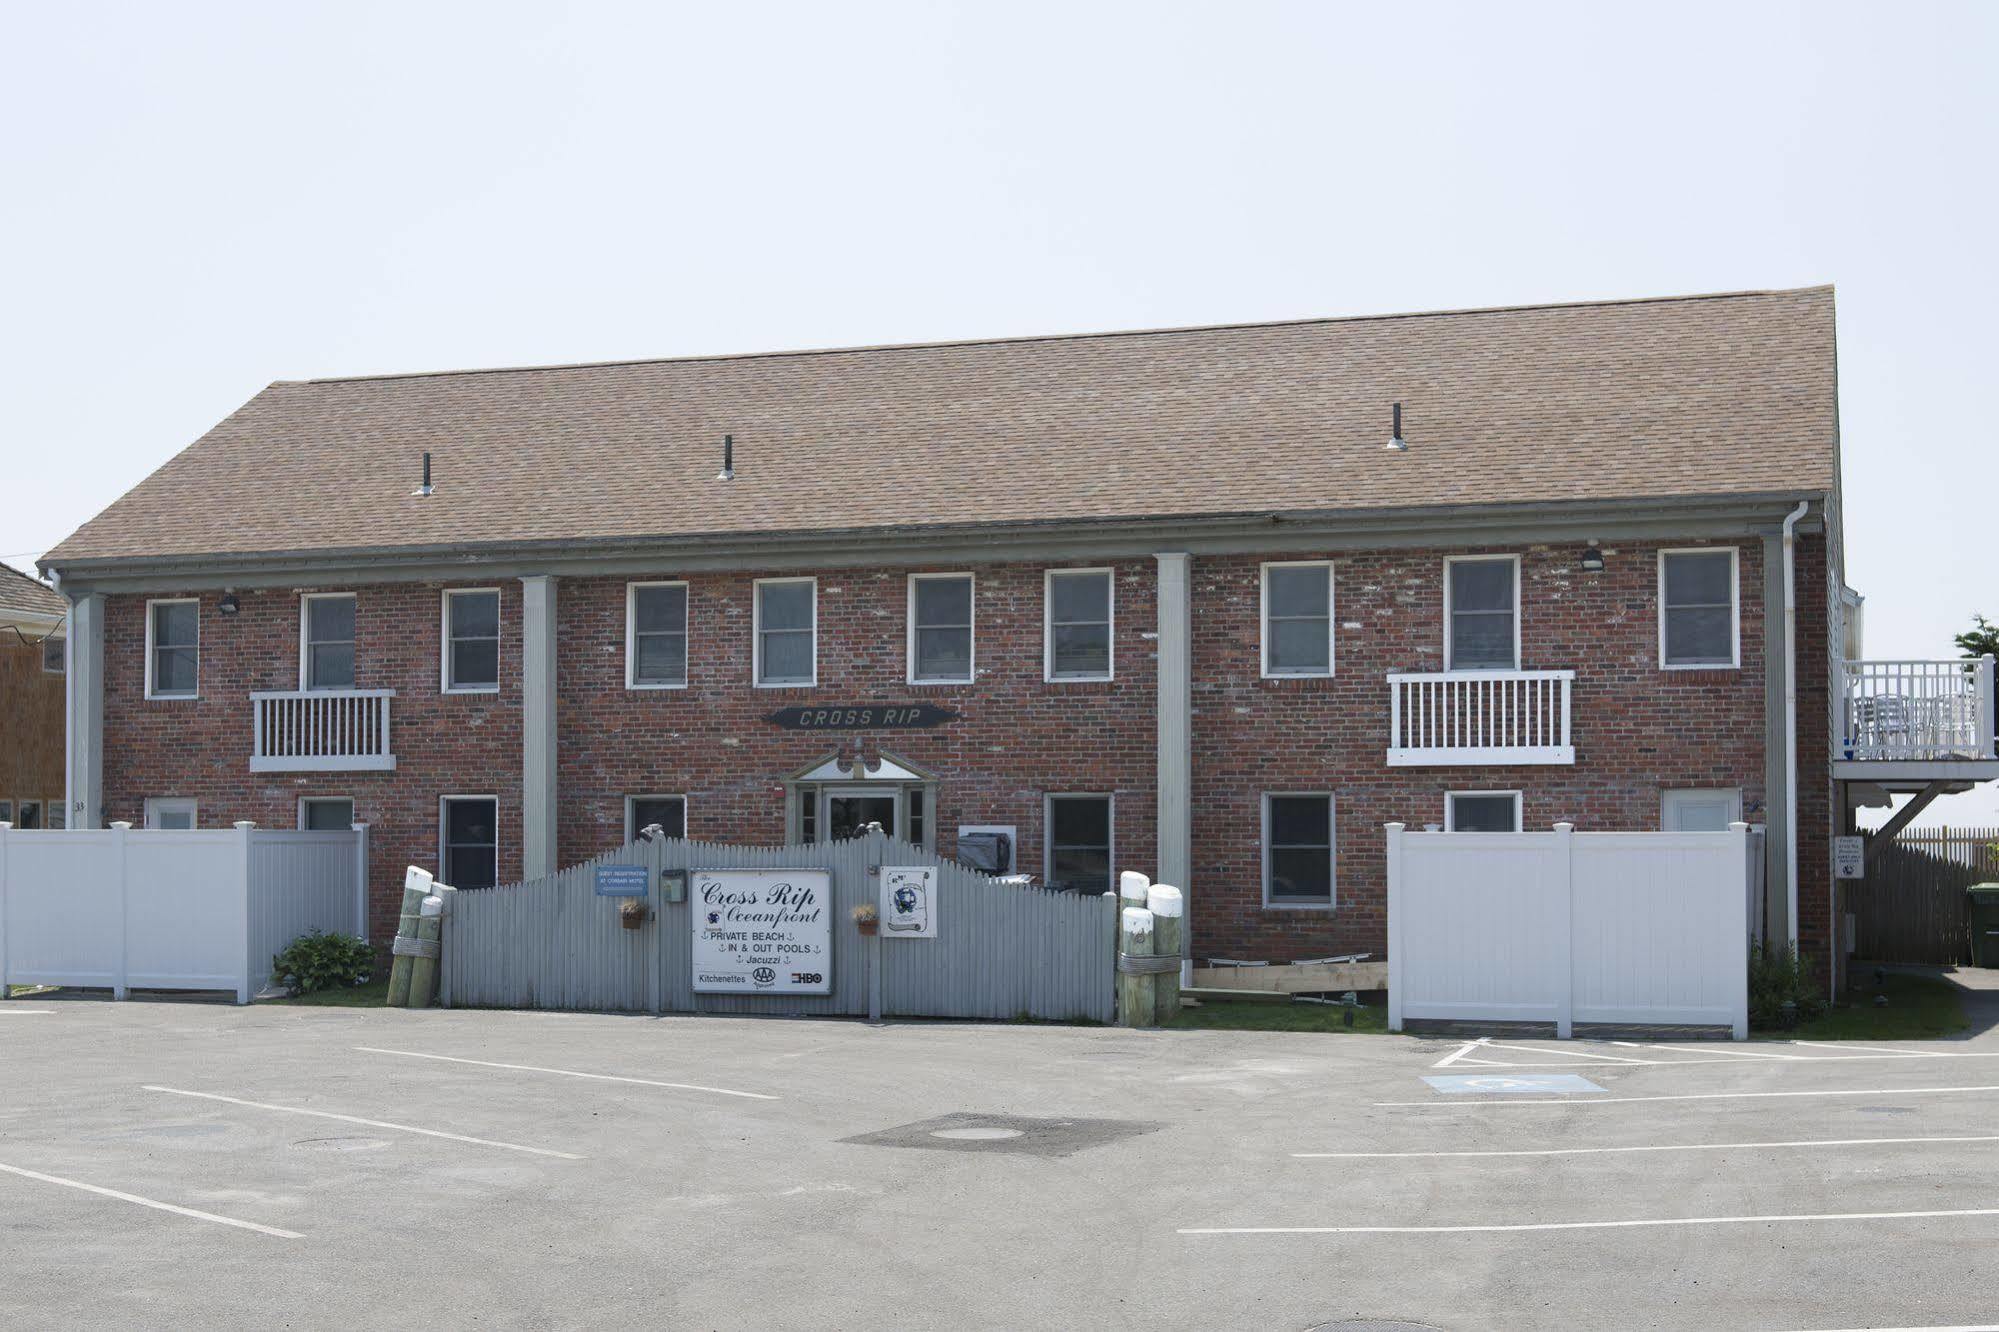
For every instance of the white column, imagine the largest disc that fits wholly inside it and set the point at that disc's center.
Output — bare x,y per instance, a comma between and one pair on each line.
538,849
1176,703
83,758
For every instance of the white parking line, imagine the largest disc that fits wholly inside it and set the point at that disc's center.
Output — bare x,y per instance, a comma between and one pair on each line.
1697,1096
1459,1053
9,1009
1565,1058
1585,1225
568,1073
371,1123
1573,1054
153,1203
1667,1147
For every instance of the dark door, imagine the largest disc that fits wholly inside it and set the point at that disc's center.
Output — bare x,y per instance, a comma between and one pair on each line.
846,815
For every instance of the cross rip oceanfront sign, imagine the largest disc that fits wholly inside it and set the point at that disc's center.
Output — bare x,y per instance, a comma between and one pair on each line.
862,717
762,931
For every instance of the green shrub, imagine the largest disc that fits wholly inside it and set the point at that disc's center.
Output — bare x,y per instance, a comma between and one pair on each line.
322,961
1778,976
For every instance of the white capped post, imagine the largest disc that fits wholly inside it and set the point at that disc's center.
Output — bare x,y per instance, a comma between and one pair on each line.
119,831
1565,1000
1739,1024
244,827
1394,831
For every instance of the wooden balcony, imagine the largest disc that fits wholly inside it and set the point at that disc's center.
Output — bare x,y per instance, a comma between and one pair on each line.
1908,719
321,730
1464,718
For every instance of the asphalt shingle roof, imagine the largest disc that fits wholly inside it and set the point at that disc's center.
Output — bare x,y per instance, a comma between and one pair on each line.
22,595
1678,397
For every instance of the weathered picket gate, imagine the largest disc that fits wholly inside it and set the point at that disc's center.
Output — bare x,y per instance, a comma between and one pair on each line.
1000,951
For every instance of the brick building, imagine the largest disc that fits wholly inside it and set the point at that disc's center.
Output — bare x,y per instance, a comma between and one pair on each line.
1171,600
31,702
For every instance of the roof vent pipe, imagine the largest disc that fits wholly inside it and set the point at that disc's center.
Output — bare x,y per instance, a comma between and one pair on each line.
728,472
424,489
1397,444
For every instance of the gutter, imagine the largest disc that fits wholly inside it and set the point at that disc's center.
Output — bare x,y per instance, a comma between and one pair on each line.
1791,721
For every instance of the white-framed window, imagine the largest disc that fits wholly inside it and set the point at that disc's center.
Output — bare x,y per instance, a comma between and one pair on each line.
655,636
6,811
941,634
668,811
1700,613
1079,617
471,639
785,635
326,814
54,814
1297,601
173,648
55,654
1079,852
1299,850
27,814
1482,613
326,640
468,840
1707,810
172,813
1482,811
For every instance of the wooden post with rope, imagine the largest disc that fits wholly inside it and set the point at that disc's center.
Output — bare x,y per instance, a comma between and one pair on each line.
416,886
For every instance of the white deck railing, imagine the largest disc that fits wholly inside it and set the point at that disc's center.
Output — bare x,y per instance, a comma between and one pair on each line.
1465,717
322,730
1916,710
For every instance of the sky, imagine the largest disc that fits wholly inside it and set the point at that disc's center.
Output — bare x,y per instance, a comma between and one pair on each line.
196,199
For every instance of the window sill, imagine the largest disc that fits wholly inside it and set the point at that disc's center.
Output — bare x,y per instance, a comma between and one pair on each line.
1326,907
639,687
173,698
1078,679
940,684
787,684
472,689
1702,666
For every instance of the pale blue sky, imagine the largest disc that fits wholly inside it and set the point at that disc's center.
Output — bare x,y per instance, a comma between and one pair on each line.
201,198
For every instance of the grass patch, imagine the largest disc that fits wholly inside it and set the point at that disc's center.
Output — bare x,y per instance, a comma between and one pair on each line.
1223,1016
1918,1008
375,994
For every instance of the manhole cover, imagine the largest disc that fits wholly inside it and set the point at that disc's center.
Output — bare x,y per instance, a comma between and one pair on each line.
967,1132
342,1144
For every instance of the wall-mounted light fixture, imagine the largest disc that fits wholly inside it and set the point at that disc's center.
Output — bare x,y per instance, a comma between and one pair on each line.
229,605
1592,561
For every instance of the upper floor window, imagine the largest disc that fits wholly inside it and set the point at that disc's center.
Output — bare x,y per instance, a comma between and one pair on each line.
1482,613
326,640
472,641
1698,619
54,655
940,628
786,634
1298,618
173,648
1079,843
656,636
1298,847
1077,635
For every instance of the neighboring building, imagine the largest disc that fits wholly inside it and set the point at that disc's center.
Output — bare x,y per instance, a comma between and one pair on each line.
31,702
1164,600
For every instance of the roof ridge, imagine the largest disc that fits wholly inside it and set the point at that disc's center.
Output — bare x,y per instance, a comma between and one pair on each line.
1167,331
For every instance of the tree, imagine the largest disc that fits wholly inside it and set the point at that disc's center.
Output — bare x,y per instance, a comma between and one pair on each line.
1981,639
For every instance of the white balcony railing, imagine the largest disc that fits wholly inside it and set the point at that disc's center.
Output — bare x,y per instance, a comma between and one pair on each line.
1916,710
1466,717
322,730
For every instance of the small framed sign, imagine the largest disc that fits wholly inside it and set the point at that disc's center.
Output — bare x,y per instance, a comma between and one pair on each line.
622,880
1849,857
909,902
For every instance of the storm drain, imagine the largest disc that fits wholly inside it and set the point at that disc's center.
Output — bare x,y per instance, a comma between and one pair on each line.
967,1132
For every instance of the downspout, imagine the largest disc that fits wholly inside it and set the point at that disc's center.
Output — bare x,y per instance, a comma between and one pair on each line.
1791,721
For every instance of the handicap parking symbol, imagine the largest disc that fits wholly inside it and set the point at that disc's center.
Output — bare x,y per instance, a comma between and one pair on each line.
1493,1084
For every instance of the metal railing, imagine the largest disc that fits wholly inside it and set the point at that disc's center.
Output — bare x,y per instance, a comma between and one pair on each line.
1916,710
321,730
1471,717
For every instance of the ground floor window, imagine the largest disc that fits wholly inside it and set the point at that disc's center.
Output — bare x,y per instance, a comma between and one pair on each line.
469,854
27,814
1482,811
1700,811
171,813
326,814
1078,851
643,811
1298,850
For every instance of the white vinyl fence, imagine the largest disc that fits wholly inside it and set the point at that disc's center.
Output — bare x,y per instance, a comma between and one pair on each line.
1567,927
121,908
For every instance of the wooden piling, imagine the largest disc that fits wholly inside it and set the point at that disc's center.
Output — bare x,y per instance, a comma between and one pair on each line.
423,970
416,887
1167,907
1136,1005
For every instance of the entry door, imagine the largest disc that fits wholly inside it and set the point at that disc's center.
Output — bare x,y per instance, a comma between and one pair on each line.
847,812
1700,811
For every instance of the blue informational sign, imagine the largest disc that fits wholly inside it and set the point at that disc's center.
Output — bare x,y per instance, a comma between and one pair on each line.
1512,1084
622,880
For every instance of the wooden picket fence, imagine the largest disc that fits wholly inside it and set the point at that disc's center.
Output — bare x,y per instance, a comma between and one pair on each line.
1911,906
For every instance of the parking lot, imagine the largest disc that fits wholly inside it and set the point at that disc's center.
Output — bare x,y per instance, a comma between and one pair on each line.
180,1162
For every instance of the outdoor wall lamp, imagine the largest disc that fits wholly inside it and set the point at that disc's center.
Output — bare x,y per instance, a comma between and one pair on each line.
229,605
1592,560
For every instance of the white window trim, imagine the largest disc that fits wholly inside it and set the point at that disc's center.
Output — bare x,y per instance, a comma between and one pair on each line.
63,643
1048,675
1263,620
1048,800
1518,660
305,600
1734,662
303,801
631,833
168,804
757,635
1733,793
151,692
443,805
444,685
1519,809
909,627
1332,852
632,639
